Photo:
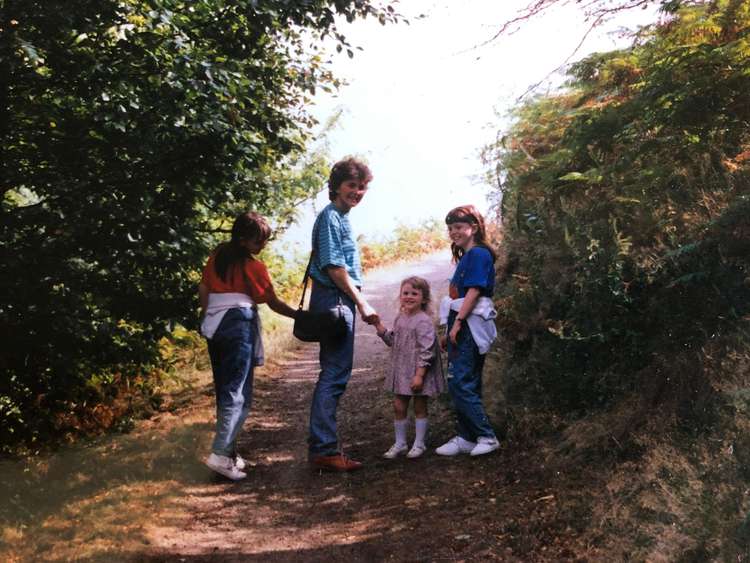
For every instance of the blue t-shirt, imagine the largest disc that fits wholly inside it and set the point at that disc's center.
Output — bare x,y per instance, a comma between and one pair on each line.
475,269
334,245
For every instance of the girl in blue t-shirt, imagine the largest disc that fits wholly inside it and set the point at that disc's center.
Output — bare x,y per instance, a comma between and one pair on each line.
469,313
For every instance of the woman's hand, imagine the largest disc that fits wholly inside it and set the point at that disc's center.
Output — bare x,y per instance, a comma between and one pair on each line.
341,279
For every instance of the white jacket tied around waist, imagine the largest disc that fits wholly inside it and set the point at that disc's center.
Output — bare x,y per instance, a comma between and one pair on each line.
481,320
218,305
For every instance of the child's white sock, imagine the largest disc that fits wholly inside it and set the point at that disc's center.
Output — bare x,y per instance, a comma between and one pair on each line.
421,431
400,428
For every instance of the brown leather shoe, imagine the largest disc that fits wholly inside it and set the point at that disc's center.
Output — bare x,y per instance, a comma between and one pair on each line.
338,462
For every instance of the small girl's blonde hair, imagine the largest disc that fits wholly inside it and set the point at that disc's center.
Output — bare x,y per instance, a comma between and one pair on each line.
422,285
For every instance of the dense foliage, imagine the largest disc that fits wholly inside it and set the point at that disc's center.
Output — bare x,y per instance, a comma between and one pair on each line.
129,129
625,201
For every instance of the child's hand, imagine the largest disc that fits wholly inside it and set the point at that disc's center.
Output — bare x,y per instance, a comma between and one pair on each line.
443,342
416,383
380,328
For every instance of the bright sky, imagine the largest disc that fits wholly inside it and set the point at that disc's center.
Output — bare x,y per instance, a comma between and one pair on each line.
421,100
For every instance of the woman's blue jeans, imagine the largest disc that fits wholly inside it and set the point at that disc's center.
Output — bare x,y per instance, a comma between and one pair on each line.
231,353
465,365
336,360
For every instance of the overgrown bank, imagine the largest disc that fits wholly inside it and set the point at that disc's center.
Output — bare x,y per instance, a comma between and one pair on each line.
625,293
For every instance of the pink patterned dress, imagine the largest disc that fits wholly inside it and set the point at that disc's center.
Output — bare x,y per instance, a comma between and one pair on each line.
413,343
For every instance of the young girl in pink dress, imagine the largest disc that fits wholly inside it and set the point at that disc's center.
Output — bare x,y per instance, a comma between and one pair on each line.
416,371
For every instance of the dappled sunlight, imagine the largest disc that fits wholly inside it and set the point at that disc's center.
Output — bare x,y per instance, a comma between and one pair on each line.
285,364
337,499
86,502
90,500
278,457
271,424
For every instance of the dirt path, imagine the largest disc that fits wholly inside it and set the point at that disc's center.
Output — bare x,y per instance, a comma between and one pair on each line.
146,496
431,508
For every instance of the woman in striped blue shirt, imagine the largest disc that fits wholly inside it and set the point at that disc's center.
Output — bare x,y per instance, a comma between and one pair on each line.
337,278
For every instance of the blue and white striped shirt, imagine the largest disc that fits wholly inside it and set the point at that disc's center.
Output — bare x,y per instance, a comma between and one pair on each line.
334,245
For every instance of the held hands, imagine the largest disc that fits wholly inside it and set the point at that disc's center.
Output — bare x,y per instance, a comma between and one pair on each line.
369,315
371,319
443,340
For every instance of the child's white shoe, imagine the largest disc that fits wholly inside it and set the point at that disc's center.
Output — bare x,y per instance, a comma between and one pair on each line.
225,466
485,445
416,451
455,446
395,450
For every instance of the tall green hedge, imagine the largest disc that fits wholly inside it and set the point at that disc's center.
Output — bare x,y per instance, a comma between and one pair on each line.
131,131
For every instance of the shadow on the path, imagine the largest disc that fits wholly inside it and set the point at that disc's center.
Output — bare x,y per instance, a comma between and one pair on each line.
98,496
286,511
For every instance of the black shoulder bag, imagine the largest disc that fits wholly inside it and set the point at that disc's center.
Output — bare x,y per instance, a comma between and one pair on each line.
309,326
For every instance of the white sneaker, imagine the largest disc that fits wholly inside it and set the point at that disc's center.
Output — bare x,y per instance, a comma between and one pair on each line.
395,451
225,466
416,451
239,462
485,445
455,446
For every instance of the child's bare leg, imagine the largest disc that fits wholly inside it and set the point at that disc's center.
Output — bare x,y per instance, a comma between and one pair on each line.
420,407
400,406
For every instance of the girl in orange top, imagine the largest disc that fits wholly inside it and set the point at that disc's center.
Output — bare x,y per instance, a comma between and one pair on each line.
233,284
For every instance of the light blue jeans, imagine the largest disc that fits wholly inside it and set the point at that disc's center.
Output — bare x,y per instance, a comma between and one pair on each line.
231,353
336,360
465,365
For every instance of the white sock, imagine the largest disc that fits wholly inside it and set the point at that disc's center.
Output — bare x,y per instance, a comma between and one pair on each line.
400,427
421,431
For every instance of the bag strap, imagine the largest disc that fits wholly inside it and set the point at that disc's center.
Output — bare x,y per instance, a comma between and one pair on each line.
305,279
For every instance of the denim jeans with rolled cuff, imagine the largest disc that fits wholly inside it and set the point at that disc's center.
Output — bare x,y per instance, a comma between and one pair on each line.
336,361
231,353
465,365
